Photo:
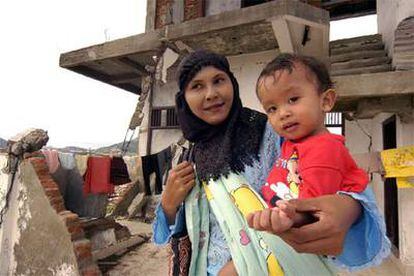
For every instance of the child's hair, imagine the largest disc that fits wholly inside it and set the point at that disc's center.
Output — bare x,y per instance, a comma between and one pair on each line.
287,62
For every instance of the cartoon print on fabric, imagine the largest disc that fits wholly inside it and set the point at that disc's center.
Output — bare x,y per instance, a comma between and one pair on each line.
281,190
272,264
293,177
244,238
246,199
290,189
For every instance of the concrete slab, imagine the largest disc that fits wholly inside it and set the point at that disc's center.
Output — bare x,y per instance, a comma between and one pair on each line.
35,240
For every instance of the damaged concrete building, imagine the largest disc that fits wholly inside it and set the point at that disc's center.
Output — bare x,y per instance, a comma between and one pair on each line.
373,74
40,232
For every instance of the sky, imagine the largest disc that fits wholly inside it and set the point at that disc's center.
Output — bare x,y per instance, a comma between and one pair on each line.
74,109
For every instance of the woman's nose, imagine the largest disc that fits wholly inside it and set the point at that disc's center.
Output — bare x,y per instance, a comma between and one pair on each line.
211,92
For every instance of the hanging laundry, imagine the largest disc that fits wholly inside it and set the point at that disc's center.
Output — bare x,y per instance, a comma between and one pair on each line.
97,176
149,166
81,163
134,166
119,171
164,163
67,160
52,159
70,184
159,164
399,163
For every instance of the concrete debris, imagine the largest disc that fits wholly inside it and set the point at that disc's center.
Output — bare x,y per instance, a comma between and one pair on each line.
28,141
151,206
136,207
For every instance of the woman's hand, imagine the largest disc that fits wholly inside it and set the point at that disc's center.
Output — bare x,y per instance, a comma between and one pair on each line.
335,215
180,181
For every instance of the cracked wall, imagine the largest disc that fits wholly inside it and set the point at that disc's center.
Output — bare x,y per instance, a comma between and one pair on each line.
35,241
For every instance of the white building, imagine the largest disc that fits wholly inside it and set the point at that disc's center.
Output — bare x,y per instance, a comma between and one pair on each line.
374,74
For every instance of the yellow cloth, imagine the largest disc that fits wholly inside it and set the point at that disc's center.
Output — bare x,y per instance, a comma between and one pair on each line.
399,163
81,162
405,182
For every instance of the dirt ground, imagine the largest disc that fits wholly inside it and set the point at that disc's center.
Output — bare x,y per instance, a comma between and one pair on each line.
148,259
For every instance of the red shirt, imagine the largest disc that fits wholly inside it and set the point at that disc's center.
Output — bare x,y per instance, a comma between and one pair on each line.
314,166
97,176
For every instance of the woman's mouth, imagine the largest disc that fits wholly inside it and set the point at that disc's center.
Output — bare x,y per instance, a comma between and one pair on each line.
214,107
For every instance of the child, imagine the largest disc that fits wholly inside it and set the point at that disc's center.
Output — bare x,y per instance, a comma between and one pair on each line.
296,92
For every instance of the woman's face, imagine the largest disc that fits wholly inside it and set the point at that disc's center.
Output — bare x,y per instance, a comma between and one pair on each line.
210,95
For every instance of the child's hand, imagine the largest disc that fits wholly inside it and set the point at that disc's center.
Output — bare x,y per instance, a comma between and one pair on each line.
276,220
287,208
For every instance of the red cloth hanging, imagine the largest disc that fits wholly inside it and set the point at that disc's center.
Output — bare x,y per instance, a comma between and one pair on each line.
97,176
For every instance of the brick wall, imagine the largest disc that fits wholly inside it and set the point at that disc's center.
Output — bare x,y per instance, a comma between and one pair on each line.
163,13
316,3
81,245
193,9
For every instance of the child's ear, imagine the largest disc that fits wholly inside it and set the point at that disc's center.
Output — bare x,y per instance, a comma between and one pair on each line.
328,99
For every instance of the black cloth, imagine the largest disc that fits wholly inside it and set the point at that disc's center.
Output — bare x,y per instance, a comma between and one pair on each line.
230,146
159,164
70,184
119,171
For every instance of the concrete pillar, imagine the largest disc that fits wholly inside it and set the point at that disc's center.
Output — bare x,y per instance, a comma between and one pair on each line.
406,225
150,20
300,36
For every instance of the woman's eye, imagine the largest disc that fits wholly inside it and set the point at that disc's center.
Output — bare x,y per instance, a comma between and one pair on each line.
196,86
219,80
293,99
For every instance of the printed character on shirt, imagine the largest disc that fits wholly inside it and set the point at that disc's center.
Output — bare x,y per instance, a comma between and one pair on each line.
314,166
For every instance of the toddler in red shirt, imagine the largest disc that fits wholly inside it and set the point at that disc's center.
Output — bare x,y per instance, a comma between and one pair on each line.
296,92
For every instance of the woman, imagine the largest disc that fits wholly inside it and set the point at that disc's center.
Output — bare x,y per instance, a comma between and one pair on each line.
229,139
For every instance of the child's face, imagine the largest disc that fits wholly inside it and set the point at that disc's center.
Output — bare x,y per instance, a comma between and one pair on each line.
292,103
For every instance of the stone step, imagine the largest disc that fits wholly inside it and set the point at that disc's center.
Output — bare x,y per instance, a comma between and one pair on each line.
404,42
406,25
404,31
357,48
404,48
404,63
409,21
356,40
401,56
404,35
357,55
404,67
362,70
358,63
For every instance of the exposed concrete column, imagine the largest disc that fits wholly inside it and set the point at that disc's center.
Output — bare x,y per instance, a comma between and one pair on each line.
301,36
144,116
406,225
405,136
283,34
150,20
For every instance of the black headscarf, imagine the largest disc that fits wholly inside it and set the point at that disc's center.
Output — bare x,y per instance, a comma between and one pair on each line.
218,149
